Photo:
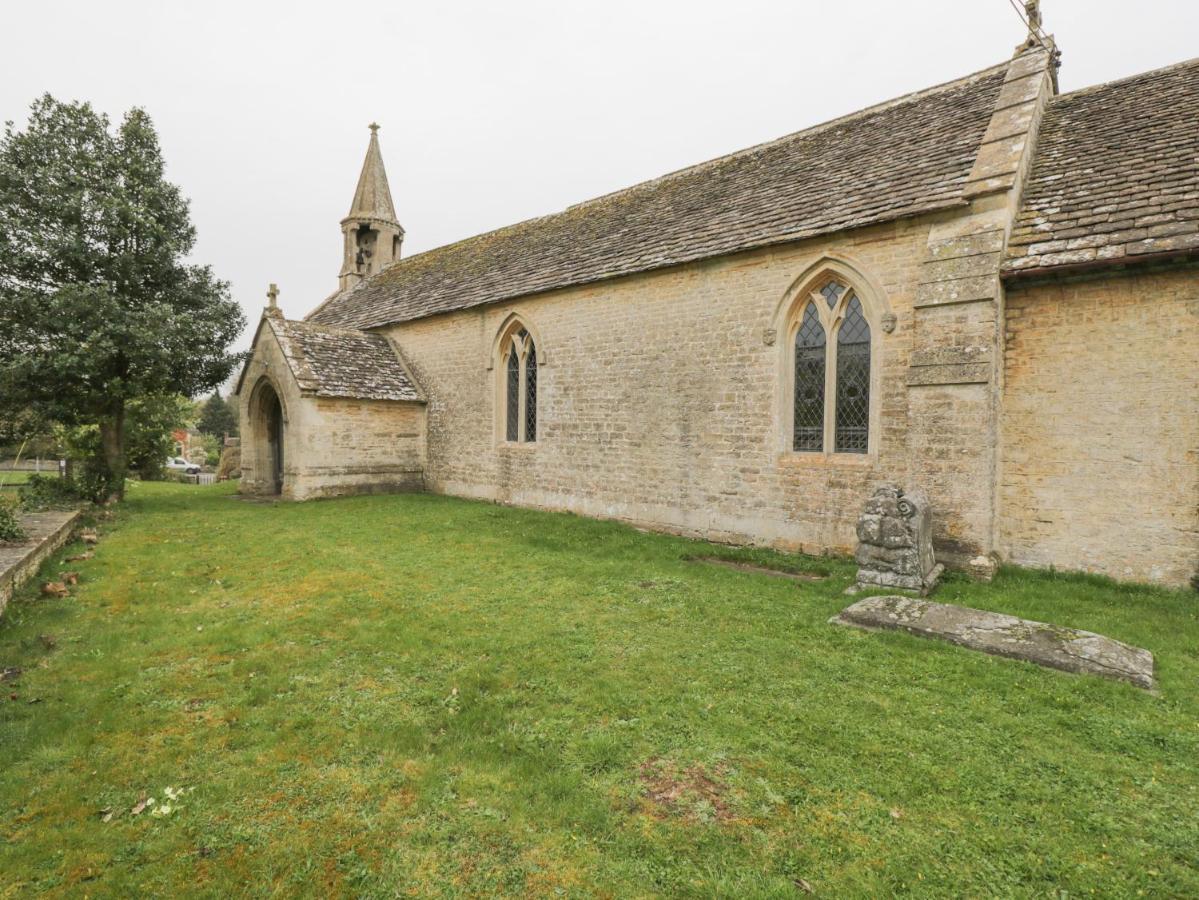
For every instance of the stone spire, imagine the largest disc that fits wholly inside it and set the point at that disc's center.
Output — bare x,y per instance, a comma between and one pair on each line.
372,199
373,234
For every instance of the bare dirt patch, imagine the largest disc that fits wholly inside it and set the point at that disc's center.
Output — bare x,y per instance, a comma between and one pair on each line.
694,793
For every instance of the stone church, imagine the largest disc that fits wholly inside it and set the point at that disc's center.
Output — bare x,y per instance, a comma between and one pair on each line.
986,289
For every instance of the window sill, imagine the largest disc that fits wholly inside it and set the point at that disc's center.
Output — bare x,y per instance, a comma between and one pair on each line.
517,445
793,459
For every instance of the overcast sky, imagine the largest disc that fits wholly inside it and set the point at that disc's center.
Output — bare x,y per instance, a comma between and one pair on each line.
493,112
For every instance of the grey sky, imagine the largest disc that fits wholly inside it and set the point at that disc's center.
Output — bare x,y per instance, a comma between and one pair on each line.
495,112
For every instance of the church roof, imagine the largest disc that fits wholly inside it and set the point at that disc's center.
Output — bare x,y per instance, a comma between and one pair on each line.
372,197
341,362
1116,176
902,158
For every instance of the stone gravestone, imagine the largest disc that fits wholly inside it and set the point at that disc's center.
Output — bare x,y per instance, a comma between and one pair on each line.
895,546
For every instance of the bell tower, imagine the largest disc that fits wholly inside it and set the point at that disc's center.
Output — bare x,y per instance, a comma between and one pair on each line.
373,235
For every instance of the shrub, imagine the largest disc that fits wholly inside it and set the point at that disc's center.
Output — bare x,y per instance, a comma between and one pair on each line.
11,531
51,492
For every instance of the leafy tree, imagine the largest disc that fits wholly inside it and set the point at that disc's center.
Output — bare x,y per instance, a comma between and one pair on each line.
217,417
97,306
25,433
149,421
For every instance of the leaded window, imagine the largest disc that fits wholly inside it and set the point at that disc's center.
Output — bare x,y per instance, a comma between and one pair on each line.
519,395
832,292
512,391
831,378
853,381
531,392
809,382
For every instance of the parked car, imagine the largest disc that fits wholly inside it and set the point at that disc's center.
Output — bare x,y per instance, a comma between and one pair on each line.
179,464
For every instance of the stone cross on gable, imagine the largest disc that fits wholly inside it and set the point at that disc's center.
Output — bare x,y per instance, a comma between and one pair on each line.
1032,8
1036,38
272,295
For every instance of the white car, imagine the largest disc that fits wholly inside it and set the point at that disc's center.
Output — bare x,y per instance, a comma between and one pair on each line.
179,464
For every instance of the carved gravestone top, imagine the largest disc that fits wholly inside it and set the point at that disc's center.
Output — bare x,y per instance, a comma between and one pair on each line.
895,546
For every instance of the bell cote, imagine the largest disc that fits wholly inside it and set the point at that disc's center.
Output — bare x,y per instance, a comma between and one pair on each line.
372,233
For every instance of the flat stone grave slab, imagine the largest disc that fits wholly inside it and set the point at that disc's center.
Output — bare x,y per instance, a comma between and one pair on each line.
1067,649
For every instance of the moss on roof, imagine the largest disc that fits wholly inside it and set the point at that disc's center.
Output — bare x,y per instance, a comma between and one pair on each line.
902,158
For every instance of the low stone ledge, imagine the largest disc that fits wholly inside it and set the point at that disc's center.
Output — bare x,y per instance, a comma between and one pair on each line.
1067,649
19,562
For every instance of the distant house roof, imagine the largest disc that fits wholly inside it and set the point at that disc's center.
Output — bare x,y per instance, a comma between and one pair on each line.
341,362
1116,175
902,158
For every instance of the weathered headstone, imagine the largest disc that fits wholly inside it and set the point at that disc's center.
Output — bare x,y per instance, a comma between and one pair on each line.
230,464
1067,649
895,545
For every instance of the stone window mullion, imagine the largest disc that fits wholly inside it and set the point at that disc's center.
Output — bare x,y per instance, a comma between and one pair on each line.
831,319
830,382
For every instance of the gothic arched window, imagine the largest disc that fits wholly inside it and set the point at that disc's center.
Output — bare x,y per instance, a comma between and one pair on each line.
518,355
830,388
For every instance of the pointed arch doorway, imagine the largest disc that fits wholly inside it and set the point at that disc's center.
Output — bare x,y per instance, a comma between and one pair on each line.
269,438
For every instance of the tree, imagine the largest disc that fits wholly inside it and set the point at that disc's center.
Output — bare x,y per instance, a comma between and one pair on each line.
24,433
149,422
217,417
97,306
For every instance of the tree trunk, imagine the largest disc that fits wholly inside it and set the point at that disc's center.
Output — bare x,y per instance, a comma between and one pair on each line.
112,445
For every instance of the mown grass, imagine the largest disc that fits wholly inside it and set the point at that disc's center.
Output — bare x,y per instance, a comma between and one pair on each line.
423,695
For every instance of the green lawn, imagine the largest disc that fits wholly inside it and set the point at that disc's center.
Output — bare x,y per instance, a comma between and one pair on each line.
416,694
9,477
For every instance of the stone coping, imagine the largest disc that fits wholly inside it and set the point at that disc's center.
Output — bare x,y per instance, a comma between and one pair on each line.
19,562
1067,649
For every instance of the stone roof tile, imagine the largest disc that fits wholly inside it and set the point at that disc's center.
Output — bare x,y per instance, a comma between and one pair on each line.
1114,168
903,158
343,362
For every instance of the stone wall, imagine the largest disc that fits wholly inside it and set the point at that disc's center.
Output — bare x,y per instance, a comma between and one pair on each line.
46,532
1100,461
662,397
360,446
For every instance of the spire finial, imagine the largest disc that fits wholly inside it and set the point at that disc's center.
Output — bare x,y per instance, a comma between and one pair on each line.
374,127
272,295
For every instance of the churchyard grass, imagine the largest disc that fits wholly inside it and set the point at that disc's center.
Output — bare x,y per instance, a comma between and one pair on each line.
418,694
